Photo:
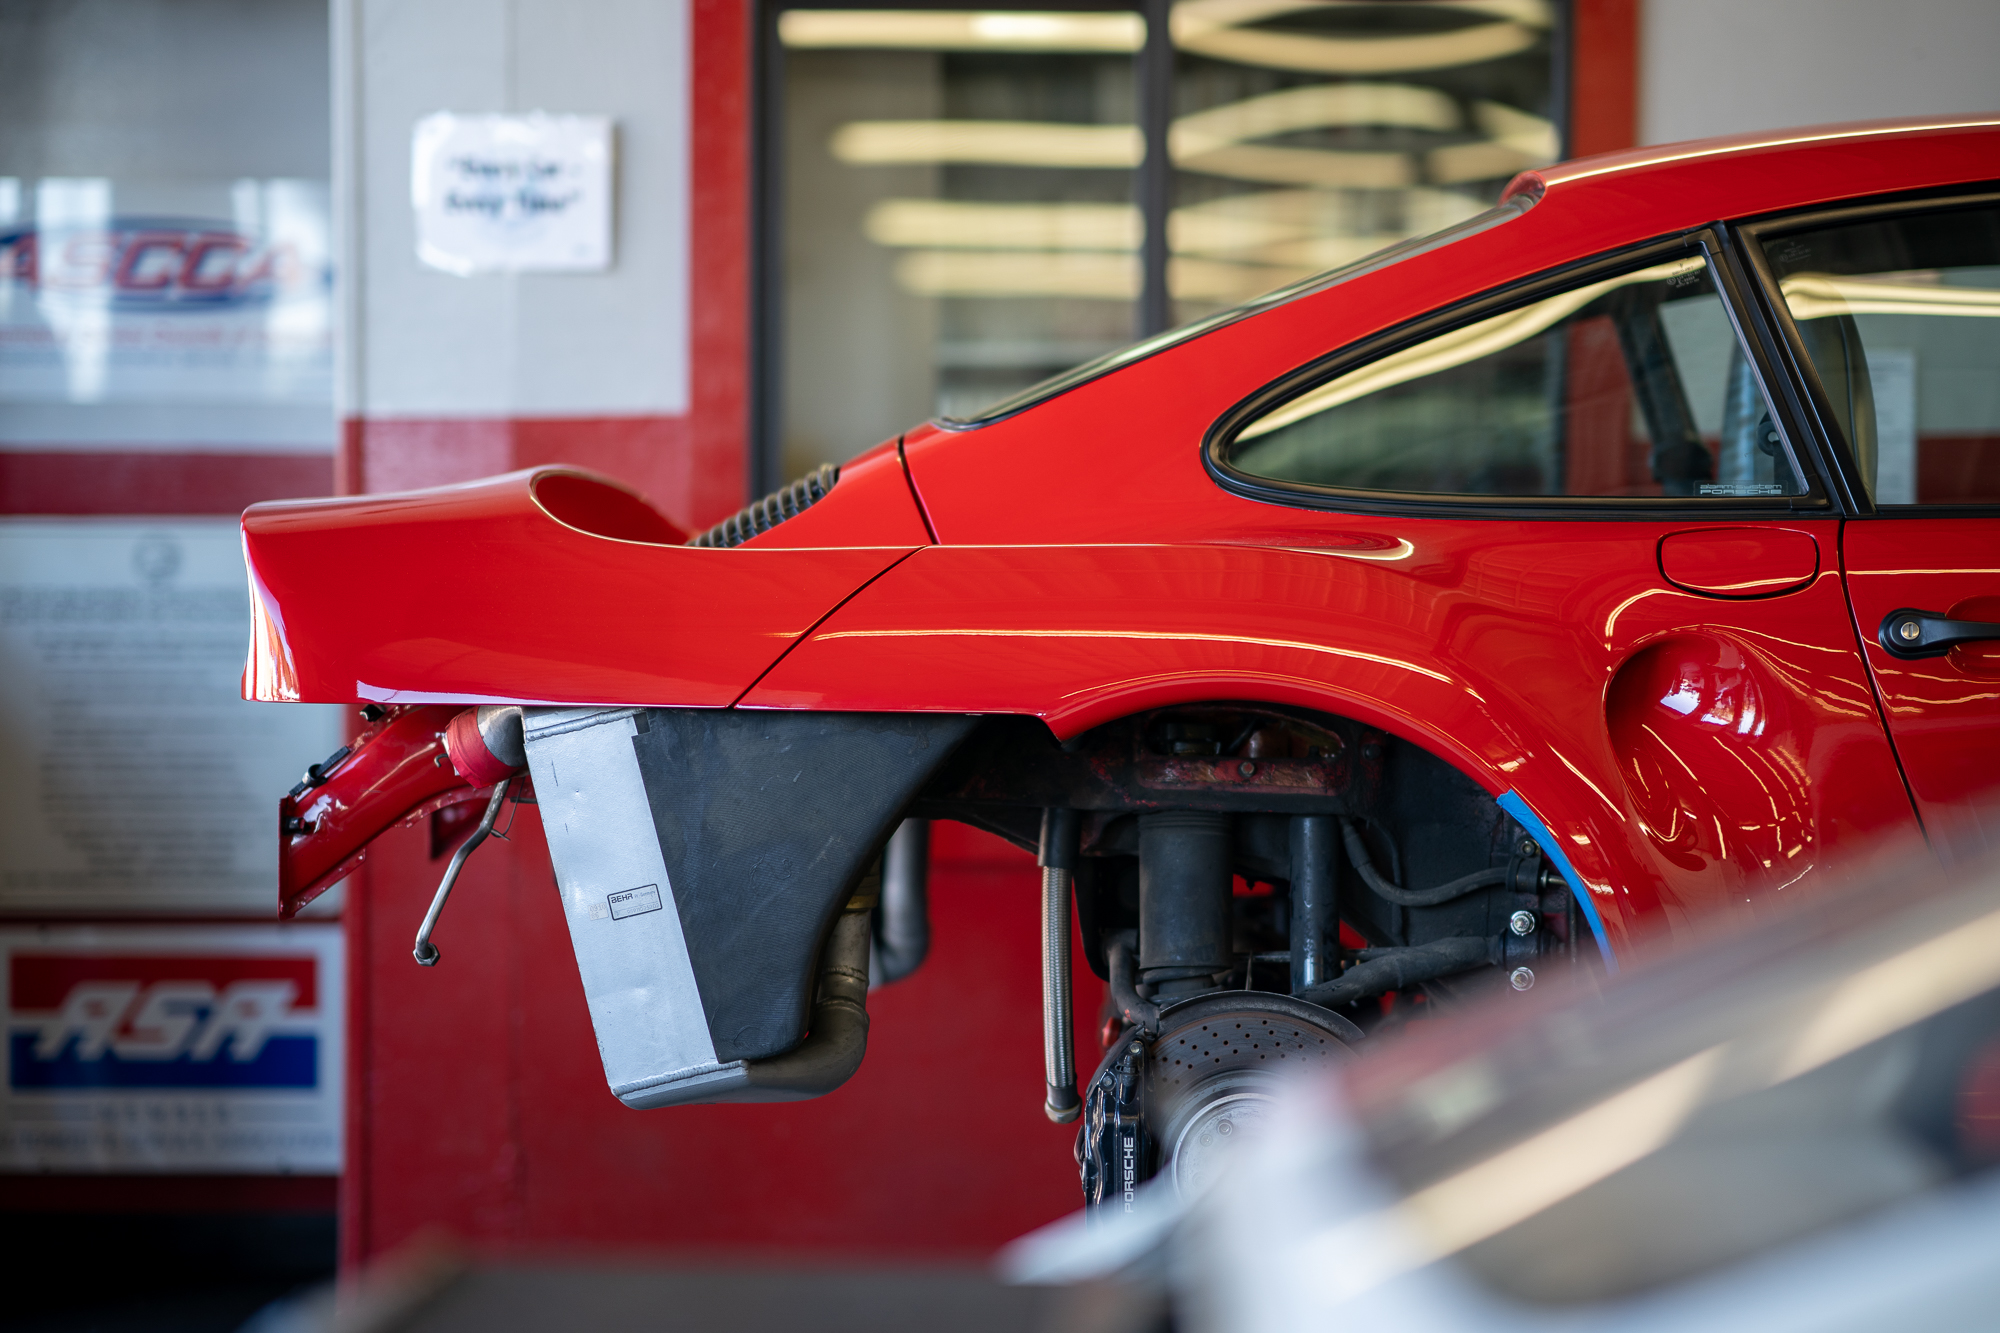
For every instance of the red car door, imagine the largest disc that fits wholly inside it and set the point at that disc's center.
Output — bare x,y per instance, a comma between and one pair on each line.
1893,316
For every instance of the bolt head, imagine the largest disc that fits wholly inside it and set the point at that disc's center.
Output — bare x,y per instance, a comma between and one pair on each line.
1522,978
1522,922
1528,847
1137,1047
1908,631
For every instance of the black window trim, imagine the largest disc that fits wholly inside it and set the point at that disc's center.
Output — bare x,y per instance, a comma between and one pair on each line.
1803,382
1775,372
1706,241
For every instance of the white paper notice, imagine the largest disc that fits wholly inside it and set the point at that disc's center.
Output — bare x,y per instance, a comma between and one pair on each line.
512,194
133,776
171,1048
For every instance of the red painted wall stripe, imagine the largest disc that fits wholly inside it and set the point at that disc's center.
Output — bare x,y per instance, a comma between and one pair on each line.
719,263
1604,76
71,483
481,1113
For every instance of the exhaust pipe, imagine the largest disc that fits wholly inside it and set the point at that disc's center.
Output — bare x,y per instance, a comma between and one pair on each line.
837,1033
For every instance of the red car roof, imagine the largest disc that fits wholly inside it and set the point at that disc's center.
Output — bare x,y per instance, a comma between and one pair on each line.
1656,190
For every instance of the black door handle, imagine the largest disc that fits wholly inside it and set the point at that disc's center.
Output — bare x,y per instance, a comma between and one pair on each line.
1911,633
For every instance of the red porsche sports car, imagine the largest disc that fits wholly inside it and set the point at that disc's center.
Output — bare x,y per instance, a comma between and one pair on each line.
1623,555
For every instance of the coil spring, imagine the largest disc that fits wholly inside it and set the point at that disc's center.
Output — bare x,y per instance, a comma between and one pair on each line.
773,509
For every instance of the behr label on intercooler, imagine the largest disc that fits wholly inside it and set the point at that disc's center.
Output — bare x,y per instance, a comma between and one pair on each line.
634,902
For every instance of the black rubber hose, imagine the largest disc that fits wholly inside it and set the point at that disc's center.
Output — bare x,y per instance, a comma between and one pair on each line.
1357,852
1135,1009
1383,970
902,919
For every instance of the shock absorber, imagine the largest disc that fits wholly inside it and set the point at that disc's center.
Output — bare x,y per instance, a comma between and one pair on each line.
1194,1070
1184,859
1315,915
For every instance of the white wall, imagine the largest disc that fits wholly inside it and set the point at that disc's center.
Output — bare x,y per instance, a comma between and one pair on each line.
422,343
156,89
1728,66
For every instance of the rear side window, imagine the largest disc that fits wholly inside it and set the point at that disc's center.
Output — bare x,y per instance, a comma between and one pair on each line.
1900,319
1631,385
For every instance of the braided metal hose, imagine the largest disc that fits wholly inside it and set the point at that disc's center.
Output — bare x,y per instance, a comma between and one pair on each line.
1058,1059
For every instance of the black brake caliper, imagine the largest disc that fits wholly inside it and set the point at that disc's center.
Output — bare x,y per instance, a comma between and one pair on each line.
1113,1153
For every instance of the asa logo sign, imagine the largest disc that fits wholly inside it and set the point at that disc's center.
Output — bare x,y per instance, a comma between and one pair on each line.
161,1021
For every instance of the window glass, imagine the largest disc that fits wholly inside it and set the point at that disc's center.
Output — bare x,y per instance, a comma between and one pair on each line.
1901,320
1633,385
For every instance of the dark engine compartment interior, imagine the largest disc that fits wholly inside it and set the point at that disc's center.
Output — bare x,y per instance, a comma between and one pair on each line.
1264,888
1257,770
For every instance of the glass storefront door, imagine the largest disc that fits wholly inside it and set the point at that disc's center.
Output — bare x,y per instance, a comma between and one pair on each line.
958,201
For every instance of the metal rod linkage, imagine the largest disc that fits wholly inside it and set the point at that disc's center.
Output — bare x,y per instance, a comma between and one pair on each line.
426,952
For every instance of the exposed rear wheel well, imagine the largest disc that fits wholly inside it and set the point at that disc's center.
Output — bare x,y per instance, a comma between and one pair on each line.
1416,822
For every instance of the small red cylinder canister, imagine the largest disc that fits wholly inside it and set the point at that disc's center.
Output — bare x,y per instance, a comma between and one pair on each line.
485,744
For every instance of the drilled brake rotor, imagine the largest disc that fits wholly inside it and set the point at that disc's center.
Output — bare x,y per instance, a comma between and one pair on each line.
1212,1073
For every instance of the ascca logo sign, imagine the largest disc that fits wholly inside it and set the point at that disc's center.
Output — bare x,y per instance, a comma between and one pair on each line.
162,1021
154,263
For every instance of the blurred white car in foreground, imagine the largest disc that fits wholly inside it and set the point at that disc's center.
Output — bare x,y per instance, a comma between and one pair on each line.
1790,1130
